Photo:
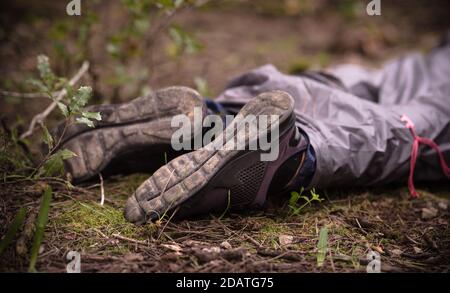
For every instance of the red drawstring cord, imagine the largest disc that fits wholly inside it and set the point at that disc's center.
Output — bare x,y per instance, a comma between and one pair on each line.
415,151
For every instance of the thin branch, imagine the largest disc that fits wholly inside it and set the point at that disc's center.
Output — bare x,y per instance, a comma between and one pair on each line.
26,95
118,236
101,233
39,118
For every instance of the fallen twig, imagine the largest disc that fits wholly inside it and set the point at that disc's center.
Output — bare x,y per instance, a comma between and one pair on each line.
360,227
101,233
252,240
118,236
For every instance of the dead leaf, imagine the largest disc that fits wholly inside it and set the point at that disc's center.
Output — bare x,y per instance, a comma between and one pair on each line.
174,247
417,250
226,245
443,205
378,249
212,249
133,257
285,239
429,213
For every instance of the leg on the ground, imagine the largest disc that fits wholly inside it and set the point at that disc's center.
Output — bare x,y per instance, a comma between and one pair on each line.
133,136
220,176
357,133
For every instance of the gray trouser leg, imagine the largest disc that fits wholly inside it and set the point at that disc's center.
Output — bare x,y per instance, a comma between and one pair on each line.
357,133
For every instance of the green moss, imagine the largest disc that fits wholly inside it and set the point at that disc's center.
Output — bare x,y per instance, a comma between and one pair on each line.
270,231
81,217
271,227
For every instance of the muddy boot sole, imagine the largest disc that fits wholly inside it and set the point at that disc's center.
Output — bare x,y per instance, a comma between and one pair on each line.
129,128
206,173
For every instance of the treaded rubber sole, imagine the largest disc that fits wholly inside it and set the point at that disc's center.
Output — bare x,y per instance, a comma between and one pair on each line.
144,122
188,174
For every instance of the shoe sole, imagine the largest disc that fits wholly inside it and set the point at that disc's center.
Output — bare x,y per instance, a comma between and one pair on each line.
193,173
142,123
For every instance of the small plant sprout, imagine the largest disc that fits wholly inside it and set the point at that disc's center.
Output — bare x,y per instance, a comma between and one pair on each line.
72,110
296,196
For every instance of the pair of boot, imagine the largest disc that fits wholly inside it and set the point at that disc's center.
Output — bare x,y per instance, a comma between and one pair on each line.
136,136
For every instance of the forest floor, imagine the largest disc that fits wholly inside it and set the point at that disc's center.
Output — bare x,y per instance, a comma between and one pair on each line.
409,235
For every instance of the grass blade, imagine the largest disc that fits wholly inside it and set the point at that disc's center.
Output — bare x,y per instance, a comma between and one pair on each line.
322,246
228,206
15,225
40,227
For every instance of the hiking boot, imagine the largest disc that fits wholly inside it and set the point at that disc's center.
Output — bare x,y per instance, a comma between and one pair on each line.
133,136
208,180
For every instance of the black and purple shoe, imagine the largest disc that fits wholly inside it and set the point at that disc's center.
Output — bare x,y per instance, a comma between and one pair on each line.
213,180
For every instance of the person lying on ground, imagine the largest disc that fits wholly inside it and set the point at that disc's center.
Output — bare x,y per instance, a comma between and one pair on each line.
346,126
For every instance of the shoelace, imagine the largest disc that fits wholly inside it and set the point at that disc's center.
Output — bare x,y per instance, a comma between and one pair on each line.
415,151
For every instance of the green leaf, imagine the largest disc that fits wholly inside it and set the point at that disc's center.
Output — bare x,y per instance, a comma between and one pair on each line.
13,228
84,120
70,90
43,65
40,227
80,99
55,165
202,86
61,82
39,85
66,154
63,108
183,41
322,246
315,196
48,139
305,198
294,198
113,49
142,25
92,115
45,72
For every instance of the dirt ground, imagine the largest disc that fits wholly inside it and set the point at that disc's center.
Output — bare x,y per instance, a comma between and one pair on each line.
410,235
